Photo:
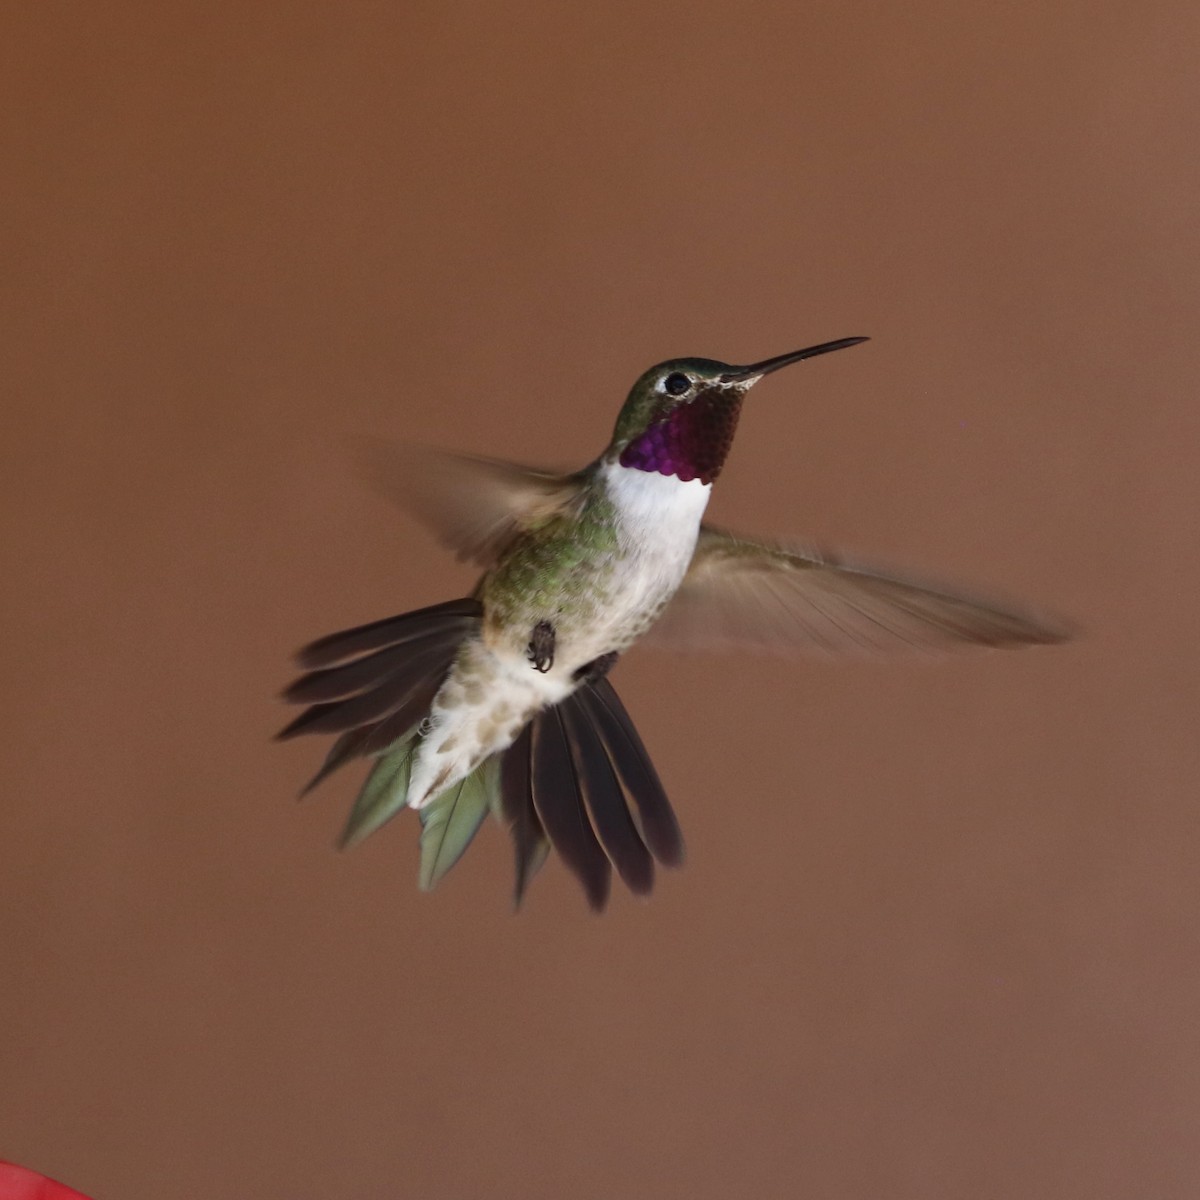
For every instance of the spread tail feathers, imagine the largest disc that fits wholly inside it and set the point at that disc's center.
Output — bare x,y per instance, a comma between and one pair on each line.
348,689
374,684
577,778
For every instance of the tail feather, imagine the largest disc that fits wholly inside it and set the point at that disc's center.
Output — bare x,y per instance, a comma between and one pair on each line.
404,687
581,759
558,800
530,843
382,795
368,740
334,682
449,822
374,701
577,778
347,643
660,830
349,746
601,788
382,683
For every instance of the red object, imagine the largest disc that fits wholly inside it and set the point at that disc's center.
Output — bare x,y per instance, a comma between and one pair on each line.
16,1183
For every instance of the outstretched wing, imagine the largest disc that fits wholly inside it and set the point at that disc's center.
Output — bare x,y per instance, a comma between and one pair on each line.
475,506
740,593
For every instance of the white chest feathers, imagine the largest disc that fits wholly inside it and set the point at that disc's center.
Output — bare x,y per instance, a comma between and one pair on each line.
658,521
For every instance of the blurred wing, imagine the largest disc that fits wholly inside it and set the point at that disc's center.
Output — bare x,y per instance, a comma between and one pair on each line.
475,506
739,593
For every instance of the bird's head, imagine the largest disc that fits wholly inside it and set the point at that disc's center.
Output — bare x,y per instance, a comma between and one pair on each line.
681,415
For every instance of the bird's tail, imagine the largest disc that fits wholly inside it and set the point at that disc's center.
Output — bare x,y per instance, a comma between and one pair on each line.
577,778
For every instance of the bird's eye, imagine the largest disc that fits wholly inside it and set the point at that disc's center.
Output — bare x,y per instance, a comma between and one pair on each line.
676,384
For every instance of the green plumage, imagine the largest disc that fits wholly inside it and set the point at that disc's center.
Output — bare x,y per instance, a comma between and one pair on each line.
561,566
450,822
383,794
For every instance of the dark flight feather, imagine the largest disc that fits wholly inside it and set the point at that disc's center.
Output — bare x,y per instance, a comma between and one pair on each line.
349,746
332,683
660,829
423,621
376,738
389,686
558,800
394,692
386,692
530,843
601,788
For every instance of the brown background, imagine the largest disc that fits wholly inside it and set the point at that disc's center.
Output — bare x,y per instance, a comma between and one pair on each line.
937,932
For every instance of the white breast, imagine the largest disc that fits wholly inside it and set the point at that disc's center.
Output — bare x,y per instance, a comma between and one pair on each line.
658,520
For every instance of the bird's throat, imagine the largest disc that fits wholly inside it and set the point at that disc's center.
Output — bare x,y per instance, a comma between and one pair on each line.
690,442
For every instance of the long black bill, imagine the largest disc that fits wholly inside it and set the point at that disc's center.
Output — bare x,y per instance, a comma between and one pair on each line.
784,360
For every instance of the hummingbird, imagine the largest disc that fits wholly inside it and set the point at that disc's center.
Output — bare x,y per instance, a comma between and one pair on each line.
501,701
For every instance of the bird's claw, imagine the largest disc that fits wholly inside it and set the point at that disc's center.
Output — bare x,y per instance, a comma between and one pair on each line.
541,647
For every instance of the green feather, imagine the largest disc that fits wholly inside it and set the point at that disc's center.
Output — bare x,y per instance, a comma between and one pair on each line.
382,796
450,822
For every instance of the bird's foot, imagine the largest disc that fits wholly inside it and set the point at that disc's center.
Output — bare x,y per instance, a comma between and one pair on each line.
541,647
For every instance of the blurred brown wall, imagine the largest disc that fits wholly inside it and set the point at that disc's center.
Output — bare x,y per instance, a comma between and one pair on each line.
936,937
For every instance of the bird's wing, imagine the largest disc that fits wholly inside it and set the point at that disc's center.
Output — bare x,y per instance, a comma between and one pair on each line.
753,595
475,506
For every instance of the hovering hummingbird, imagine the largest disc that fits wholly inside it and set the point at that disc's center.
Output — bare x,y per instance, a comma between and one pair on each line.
501,701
